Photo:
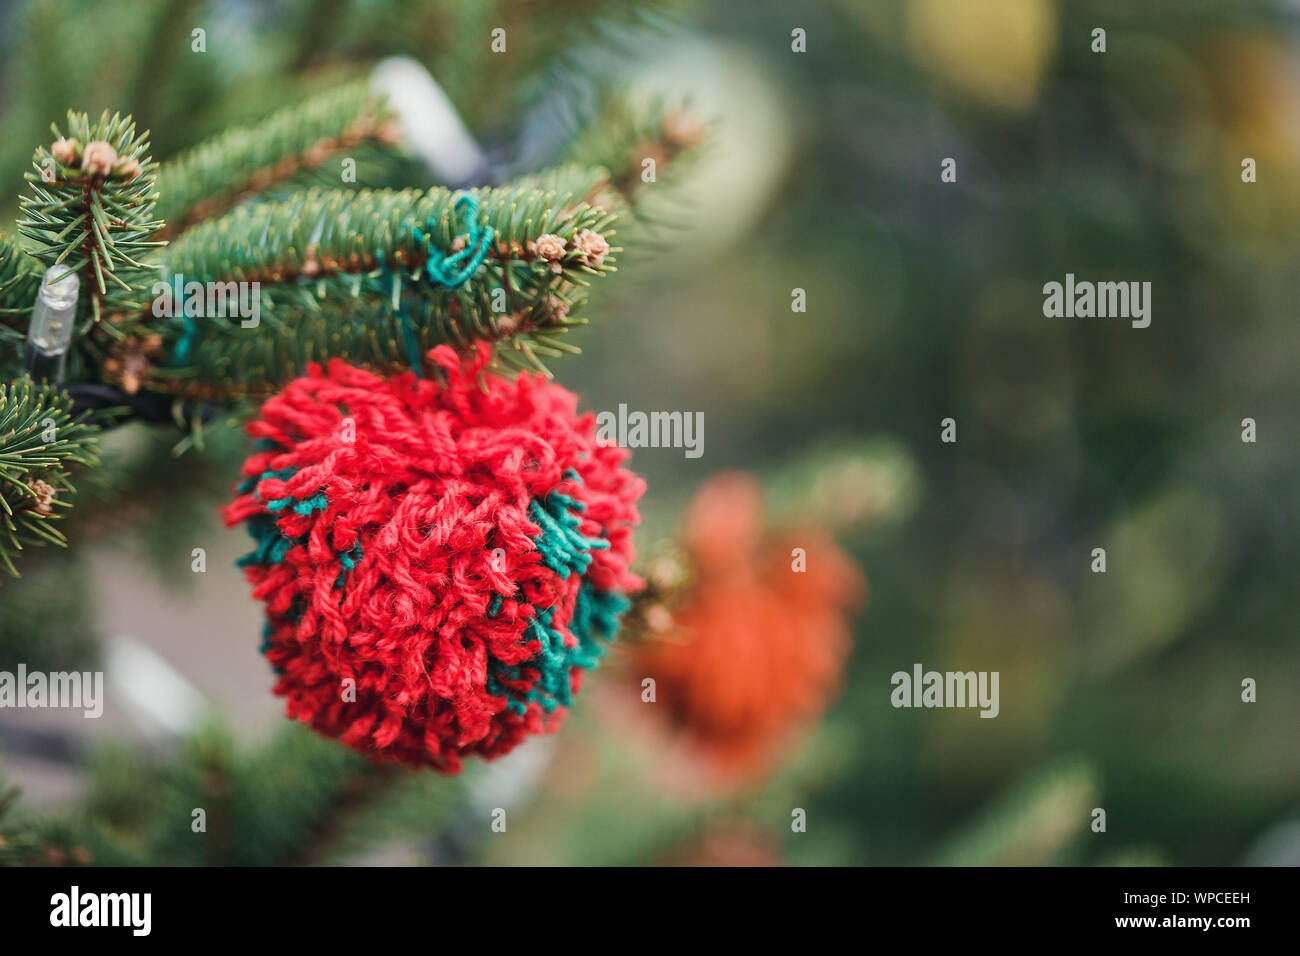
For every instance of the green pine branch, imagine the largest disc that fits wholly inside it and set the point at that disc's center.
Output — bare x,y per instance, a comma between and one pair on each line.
623,133
373,276
28,842
20,279
40,441
297,799
213,177
351,275
90,209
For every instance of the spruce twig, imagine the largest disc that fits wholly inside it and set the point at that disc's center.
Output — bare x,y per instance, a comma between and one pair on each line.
20,279
215,176
353,275
40,442
90,208
358,792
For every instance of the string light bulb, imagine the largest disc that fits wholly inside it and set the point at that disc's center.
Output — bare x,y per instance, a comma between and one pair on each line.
53,318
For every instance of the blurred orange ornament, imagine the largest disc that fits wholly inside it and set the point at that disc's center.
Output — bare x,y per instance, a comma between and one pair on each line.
759,642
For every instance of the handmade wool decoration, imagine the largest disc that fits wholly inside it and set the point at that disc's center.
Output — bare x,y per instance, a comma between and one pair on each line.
757,647
440,560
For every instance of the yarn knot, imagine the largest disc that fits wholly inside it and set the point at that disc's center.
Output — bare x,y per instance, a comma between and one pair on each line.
453,269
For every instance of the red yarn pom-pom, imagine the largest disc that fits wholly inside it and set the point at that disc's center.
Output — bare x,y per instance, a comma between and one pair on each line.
439,561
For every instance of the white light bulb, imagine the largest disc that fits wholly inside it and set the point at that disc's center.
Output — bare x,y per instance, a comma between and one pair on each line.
53,318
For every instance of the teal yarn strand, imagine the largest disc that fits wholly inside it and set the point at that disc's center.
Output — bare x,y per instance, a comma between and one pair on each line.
411,342
595,619
185,345
449,269
387,277
453,269
595,623
349,559
271,545
189,329
564,550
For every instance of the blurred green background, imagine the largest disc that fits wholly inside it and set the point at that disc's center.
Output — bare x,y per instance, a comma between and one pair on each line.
1119,690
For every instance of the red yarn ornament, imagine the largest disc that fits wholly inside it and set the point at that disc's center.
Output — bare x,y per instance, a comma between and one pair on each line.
440,561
